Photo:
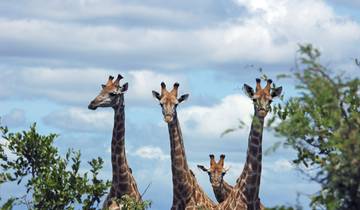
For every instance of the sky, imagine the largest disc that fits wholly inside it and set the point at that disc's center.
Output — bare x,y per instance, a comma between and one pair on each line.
54,56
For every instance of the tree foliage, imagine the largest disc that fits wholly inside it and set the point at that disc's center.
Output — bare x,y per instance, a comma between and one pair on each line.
281,208
54,182
322,125
128,203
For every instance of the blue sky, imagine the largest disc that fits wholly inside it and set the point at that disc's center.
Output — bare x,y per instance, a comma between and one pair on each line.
54,55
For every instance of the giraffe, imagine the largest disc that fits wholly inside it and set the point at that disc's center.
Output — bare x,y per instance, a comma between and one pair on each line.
216,174
187,194
123,182
245,194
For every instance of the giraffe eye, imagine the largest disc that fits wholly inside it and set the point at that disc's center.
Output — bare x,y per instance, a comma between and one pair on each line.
112,94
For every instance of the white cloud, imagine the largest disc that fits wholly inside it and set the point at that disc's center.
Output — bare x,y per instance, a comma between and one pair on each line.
269,34
282,165
15,118
77,10
119,45
77,119
151,152
350,4
211,121
61,85
290,22
142,82
79,86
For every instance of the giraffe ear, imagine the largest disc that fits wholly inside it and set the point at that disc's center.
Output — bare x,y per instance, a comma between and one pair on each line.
103,86
124,88
156,95
183,98
276,92
249,91
201,167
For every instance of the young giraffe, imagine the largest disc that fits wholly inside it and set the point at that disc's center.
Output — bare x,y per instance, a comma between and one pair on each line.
216,174
245,194
187,194
123,182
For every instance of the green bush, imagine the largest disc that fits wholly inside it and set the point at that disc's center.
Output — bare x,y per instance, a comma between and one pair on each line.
323,126
128,203
52,181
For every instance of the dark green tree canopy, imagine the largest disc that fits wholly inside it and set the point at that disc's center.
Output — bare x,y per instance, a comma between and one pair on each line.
52,181
322,125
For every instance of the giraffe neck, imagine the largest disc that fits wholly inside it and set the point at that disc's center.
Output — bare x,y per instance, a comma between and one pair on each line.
245,194
186,191
122,181
222,192
250,179
179,166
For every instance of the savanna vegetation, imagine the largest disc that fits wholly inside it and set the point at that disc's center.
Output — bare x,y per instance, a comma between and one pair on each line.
50,181
322,125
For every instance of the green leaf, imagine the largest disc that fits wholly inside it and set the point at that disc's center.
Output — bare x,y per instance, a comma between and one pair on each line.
8,205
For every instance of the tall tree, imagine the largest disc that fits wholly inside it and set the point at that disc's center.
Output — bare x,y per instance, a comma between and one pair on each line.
322,125
54,182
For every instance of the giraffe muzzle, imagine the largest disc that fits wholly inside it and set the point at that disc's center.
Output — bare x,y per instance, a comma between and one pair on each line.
168,118
92,106
215,184
262,112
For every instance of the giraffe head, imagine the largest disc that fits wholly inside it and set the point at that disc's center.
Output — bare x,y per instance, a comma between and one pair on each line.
216,171
263,97
169,101
110,95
